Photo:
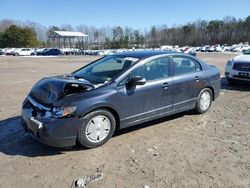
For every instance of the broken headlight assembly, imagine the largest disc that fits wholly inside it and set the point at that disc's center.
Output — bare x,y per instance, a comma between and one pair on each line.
63,111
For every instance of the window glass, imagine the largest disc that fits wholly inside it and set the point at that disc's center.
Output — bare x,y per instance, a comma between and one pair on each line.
183,65
153,70
106,68
111,64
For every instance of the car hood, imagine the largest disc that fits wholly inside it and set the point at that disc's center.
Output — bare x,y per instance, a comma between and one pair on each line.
49,90
242,58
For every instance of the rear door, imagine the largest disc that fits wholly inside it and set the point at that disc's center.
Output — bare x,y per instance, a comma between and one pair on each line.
187,81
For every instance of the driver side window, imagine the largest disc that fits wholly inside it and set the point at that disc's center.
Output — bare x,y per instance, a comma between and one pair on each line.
153,70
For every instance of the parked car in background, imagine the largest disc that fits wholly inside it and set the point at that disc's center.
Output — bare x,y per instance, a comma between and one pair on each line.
218,48
115,92
190,51
211,49
185,50
38,50
205,48
245,49
49,52
238,68
23,52
9,51
2,51
237,49
197,49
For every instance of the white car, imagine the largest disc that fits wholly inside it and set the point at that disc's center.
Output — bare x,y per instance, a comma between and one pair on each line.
218,49
24,52
9,51
238,68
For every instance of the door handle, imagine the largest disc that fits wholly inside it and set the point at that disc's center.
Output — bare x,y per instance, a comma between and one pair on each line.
197,78
165,85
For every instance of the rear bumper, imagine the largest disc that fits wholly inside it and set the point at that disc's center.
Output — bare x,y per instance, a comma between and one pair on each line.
51,131
216,85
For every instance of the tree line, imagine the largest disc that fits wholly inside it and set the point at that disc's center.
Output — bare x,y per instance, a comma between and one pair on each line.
201,32
15,36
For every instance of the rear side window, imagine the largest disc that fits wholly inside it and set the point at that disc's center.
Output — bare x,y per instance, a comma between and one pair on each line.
185,65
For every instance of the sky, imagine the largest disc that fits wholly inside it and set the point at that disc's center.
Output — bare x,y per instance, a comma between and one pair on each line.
131,13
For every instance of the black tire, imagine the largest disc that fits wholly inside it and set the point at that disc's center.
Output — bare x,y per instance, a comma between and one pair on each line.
16,54
198,108
82,137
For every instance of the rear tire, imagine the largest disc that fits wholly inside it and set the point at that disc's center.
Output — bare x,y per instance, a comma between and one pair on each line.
97,128
204,101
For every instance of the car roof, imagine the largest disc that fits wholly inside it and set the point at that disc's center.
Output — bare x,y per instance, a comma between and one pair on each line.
143,54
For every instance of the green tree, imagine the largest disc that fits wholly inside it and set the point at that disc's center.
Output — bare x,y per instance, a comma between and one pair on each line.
1,40
117,37
126,41
137,37
246,25
16,36
153,35
141,40
214,30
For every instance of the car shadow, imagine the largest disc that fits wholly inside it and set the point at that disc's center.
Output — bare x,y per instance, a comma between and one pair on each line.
14,141
237,85
152,123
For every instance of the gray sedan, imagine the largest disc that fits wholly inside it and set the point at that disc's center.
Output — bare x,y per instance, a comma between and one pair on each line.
116,92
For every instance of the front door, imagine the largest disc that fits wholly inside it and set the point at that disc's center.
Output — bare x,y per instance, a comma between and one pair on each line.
149,101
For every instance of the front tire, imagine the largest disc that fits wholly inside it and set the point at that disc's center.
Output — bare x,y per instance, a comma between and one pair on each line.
97,128
204,101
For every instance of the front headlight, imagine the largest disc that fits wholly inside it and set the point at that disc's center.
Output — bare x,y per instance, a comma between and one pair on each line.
63,111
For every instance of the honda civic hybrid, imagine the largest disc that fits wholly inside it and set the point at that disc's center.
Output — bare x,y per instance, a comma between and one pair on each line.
114,92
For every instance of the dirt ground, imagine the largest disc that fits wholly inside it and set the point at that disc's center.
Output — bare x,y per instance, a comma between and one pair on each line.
184,150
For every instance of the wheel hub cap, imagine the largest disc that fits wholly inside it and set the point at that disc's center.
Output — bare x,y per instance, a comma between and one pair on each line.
98,129
205,100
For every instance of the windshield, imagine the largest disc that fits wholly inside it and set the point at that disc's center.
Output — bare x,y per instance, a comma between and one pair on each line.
105,69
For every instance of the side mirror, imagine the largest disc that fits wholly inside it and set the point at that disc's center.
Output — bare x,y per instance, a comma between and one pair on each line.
137,80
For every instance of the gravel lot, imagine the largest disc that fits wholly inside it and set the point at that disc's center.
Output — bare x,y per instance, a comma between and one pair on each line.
184,150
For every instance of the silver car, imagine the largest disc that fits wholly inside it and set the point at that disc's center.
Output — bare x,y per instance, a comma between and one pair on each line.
238,68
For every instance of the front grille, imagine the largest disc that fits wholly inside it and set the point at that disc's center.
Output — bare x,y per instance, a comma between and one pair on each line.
241,66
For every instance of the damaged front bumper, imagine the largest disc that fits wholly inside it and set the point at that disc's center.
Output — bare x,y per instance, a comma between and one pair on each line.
57,132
